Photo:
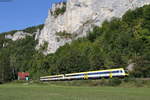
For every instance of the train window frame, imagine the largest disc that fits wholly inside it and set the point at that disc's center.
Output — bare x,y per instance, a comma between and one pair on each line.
126,71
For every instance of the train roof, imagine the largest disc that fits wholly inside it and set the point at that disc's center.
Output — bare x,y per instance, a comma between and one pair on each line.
81,73
96,71
52,76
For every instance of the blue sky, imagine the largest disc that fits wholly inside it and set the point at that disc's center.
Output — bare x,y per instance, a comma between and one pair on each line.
19,14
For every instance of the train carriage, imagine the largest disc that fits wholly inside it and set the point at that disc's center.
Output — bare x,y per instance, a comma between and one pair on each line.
52,78
119,72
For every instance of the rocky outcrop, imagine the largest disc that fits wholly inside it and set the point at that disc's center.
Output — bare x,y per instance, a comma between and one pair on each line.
130,67
37,34
79,17
17,36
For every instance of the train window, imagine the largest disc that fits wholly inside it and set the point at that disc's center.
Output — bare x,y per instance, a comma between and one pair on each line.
115,72
121,71
126,71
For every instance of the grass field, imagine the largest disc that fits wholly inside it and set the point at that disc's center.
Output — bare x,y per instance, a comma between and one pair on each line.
53,92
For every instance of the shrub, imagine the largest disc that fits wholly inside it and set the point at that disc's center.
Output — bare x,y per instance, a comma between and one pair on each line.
60,11
114,82
65,35
44,46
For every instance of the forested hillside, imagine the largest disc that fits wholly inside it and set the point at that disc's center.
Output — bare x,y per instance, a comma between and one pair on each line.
117,43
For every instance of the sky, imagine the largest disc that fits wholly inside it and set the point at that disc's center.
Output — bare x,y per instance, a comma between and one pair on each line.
20,14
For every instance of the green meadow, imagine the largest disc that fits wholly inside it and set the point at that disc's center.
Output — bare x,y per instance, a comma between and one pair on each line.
54,92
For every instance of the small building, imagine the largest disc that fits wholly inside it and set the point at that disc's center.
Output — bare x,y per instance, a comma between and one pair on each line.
23,75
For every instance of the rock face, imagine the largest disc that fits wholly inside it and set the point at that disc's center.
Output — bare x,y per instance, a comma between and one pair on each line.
80,16
130,67
37,33
18,35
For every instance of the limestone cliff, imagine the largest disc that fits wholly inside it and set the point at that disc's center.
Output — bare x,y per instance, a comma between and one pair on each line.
78,17
17,35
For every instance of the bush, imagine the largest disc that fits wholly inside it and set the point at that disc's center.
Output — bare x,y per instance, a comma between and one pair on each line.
114,82
1,82
64,35
60,11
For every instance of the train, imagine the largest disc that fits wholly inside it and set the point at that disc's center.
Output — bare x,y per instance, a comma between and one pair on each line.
98,74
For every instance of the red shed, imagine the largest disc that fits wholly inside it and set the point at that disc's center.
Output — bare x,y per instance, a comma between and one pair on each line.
23,75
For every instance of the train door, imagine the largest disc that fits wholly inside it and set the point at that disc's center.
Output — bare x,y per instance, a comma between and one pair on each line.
85,75
110,74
